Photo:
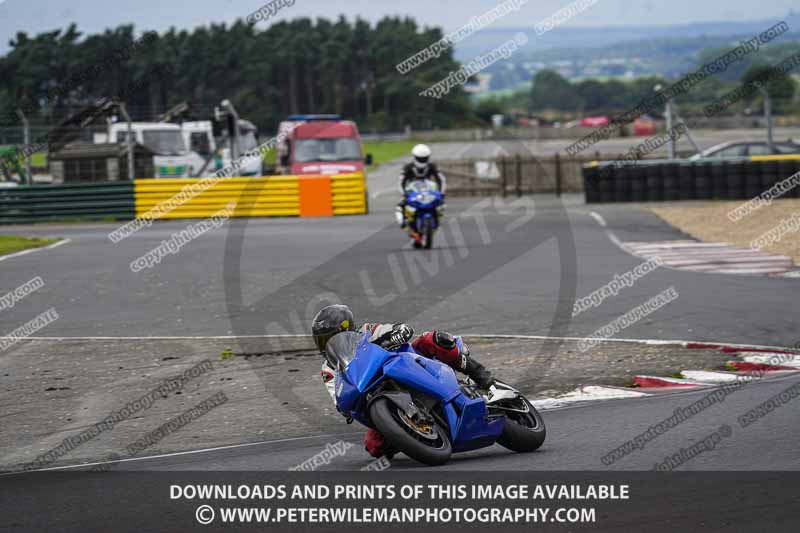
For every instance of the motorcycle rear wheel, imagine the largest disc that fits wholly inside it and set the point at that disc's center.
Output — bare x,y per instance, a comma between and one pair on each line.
523,432
429,447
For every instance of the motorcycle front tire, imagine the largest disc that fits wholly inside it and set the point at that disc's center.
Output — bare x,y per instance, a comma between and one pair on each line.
385,416
524,434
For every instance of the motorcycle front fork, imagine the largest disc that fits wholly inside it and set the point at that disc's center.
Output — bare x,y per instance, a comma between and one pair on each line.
402,221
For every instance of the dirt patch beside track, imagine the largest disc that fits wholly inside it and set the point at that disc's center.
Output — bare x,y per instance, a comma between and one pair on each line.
54,390
708,221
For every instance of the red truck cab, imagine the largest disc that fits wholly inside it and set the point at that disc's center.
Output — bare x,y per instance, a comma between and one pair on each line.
320,144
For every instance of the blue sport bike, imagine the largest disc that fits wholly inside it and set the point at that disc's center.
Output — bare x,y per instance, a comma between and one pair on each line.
423,209
421,407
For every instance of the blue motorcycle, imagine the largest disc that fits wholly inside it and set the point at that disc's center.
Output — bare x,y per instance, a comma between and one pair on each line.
424,205
421,407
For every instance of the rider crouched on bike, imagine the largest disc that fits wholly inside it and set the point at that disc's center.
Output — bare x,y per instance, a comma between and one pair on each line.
420,168
438,345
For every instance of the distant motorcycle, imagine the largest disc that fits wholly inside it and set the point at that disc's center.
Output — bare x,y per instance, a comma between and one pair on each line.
423,210
421,407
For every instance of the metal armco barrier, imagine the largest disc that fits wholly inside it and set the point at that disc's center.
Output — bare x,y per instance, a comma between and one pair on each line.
271,196
42,203
669,180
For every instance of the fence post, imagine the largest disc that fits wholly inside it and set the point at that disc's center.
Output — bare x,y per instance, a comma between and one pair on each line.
504,174
518,173
558,175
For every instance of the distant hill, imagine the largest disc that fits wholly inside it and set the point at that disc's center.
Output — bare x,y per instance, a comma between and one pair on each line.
668,51
573,37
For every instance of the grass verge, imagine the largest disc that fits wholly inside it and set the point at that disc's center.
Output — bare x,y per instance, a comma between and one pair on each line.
383,152
10,244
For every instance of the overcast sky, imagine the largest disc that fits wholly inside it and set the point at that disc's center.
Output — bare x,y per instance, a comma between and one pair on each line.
93,16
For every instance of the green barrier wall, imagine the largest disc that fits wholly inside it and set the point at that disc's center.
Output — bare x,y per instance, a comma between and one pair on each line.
41,203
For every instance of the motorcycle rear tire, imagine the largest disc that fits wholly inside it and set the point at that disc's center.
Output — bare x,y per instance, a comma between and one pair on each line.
524,438
384,415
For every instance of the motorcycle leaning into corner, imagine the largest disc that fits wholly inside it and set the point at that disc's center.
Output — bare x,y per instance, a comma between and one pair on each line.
420,406
423,210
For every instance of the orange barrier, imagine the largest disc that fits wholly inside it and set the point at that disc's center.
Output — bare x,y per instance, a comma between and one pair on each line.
316,199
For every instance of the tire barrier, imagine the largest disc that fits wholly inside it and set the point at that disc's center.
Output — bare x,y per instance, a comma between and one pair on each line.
43,203
670,180
272,196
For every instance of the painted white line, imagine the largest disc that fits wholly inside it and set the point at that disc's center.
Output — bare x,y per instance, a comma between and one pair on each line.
613,238
710,377
19,254
677,246
32,250
57,244
769,359
732,252
585,394
188,452
674,381
600,220
709,257
749,272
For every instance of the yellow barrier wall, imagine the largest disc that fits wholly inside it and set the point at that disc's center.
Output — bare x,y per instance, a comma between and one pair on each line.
269,196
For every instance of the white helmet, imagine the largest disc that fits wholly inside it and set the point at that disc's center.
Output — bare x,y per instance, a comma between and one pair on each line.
422,155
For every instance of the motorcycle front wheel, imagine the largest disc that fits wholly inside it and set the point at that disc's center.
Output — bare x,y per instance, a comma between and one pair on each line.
427,233
427,443
523,432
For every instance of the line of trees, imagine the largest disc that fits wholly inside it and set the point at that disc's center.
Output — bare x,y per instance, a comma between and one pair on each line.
304,66
299,66
550,91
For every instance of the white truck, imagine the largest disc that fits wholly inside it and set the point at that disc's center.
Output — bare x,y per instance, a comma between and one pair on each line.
199,138
172,158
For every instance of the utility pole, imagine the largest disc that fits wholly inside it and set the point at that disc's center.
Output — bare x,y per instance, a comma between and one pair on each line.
228,106
768,116
668,114
688,133
128,139
26,129
669,129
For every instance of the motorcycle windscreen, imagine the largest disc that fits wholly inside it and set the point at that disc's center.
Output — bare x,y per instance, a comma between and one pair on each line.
422,186
341,349
367,363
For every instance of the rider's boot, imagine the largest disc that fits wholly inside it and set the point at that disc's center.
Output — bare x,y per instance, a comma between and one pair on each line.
400,216
478,373
376,445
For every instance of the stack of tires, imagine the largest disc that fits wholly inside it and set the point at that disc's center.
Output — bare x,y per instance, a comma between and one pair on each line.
686,181
591,185
718,179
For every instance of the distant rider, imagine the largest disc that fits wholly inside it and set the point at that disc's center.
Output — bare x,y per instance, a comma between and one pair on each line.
420,168
438,345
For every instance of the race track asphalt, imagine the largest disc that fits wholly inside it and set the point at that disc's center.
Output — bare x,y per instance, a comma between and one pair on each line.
577,439
500,266
494,270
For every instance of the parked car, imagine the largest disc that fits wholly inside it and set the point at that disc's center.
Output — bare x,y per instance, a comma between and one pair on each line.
747,149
